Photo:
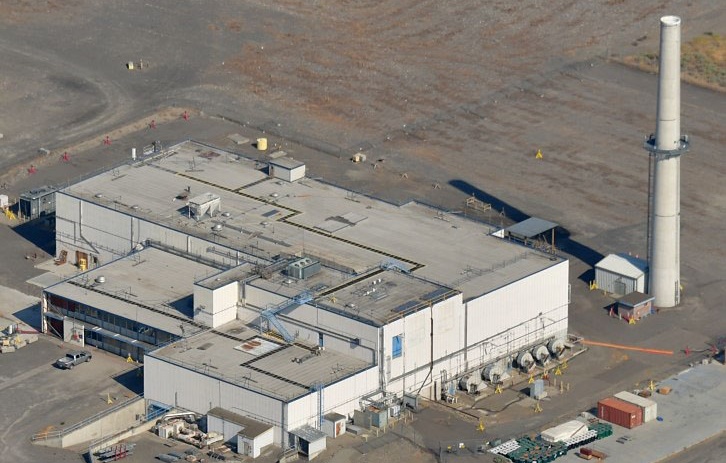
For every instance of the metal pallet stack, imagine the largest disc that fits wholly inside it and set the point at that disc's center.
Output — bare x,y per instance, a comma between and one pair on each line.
115,452
537,451
529,450
603,429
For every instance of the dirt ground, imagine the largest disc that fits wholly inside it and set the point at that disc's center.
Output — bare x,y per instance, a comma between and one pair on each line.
447,99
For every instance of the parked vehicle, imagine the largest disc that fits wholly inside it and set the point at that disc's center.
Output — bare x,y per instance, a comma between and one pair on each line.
72,359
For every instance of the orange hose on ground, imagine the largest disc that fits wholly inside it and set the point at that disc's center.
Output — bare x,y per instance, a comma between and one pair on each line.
620,346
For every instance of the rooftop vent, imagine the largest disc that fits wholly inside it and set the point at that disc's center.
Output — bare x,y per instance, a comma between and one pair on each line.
100,279
217,227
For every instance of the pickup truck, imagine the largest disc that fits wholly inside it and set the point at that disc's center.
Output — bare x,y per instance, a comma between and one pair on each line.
72,359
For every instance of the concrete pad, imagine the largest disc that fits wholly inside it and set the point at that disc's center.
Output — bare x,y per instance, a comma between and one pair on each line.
696,396
19,308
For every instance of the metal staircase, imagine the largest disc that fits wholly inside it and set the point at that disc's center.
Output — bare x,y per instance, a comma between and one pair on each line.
270,314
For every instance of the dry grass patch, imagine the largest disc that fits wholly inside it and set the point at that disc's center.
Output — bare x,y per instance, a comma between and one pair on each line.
703,61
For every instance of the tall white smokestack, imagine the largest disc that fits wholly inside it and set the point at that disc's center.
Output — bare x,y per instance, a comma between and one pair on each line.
666,147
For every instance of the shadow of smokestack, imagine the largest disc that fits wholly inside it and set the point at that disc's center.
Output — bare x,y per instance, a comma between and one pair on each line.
563,241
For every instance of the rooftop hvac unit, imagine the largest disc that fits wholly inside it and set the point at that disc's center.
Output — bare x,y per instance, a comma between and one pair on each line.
207,203
303,268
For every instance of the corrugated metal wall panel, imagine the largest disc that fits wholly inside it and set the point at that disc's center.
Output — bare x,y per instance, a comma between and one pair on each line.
615,283
416,331
504,321
619,412
449,326
339,324
224,303
174,385
516,308
227,429
249,403
203,298
341,397
640,284
303,411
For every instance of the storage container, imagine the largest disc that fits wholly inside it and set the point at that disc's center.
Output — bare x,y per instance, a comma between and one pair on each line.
647,406
619,412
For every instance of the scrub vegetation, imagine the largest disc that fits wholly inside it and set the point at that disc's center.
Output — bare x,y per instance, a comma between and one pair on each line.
703,61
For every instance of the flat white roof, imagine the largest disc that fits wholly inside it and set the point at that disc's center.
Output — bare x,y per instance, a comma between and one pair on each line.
281,371
265,218
287,163
150,286
375,299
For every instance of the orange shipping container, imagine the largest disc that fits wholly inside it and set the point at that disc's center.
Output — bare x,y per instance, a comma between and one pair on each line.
620,412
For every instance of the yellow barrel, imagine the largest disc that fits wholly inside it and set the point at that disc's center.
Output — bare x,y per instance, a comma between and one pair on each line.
262,144
82,265
130,65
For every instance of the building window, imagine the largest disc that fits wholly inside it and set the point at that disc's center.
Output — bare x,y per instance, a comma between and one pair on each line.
397,349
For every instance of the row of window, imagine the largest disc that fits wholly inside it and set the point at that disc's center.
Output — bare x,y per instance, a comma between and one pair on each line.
114,345
115,323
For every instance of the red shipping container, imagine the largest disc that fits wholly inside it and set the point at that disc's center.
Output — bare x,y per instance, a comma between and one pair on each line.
619,412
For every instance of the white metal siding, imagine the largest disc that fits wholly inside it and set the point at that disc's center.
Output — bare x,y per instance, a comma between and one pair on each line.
607,281
302,411
226,428
174,385
449,333
341,397
345,328
317,446
255,445
519,314
260,297
216,307
297,173
330,427
649,407
112,232
203,304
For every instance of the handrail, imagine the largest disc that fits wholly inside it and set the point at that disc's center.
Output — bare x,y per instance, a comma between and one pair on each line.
89,420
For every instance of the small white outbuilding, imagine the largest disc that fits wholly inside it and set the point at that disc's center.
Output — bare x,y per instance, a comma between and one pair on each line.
286,168
621,274
250,435
334,425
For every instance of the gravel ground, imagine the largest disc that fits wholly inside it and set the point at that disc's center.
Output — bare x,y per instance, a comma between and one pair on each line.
454,94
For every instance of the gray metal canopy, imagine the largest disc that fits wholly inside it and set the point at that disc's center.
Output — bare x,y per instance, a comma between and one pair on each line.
530,228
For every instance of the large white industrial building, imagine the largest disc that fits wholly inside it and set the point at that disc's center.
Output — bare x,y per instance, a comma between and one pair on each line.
283,301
